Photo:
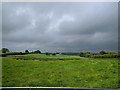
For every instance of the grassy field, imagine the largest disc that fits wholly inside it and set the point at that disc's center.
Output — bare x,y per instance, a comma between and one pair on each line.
59,71
44,57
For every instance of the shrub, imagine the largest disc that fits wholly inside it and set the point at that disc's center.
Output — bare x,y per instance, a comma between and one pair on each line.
115,55
103,52
47,53
26,51
87,55
12,53
81,54
38,51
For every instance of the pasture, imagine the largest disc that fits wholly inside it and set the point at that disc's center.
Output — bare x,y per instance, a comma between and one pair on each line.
39,70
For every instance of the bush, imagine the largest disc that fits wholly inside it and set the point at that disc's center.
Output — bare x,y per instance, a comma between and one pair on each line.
26,51
12,53
87,55
38,51
47,53
103,52
81,54
115,55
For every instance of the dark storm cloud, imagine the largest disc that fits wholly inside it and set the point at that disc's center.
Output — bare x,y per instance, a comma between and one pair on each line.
60,26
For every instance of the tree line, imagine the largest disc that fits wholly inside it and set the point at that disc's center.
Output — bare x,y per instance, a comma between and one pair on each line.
101,54
6,51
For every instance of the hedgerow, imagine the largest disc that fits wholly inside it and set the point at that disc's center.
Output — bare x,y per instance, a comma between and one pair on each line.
106,56
12,53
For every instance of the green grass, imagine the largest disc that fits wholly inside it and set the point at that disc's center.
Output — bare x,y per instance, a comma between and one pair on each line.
48,57
83,73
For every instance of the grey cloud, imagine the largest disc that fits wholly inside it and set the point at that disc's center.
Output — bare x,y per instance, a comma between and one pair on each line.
66,27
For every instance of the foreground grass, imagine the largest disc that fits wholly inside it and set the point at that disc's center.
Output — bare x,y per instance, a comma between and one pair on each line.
83,73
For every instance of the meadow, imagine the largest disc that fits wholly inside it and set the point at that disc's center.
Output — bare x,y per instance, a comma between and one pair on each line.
40,70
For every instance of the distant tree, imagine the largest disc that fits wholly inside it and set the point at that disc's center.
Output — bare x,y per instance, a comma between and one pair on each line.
47,53
57,53
81,54
20,53
38,51
102,52
54,54
26,51
5,50
88,53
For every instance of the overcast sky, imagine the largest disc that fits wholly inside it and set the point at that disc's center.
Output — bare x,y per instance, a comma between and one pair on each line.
61,27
